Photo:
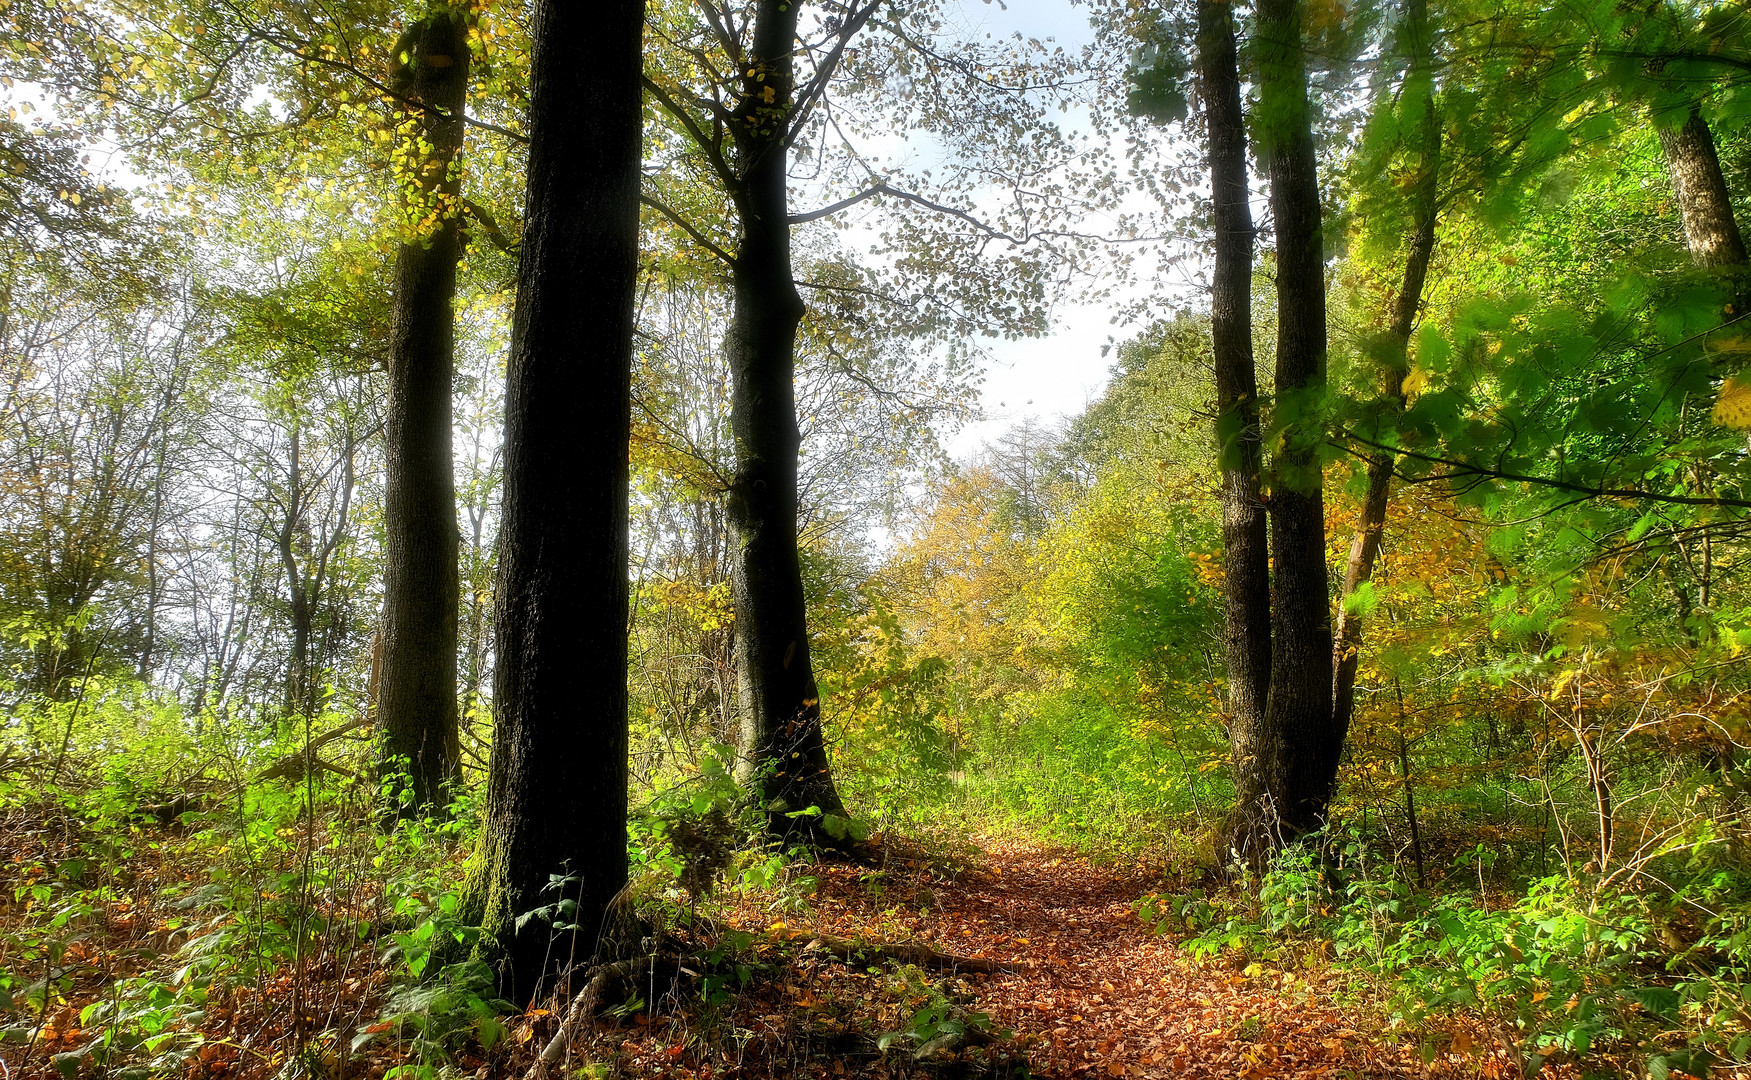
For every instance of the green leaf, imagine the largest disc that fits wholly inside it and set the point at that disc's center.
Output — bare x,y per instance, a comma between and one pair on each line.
1363,600
1659,1000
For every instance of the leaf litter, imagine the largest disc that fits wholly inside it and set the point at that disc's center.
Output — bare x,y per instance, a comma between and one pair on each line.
1083,989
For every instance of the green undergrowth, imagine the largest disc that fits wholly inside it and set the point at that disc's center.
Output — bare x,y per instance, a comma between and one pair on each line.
1562,969
154,909
1061,772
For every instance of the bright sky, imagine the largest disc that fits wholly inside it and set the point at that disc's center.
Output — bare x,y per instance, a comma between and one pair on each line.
1046,379
1053,377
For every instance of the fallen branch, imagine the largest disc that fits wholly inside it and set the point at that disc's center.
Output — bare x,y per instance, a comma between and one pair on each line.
953,1042
903,953
298,762
290,767
583,1006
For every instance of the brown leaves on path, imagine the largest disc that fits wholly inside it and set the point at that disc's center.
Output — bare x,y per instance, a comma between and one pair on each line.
1094,993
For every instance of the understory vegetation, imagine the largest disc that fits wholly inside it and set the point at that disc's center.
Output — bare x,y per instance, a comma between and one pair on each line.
1513,474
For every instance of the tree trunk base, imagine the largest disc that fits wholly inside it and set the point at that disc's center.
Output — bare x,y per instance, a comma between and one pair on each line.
673,962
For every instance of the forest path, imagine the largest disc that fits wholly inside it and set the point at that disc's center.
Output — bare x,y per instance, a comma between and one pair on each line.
1095,993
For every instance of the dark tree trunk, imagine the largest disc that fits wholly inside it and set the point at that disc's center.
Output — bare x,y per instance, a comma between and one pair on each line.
298,662
1245,556
1298,709
1419,247
1707,209
782,747
556,796
417,693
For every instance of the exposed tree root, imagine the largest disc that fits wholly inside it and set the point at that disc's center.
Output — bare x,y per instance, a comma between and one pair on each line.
583,1008
598,978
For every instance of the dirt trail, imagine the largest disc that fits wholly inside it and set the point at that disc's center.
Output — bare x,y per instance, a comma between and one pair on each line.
1096,993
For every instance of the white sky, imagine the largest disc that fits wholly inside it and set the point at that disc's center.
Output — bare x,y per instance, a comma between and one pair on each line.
1056,376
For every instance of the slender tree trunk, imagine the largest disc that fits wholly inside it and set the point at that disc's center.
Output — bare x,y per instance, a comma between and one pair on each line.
1410,798
298,663
143,670
318,577
782,748
556,795
1704,203
1245,554
1298,709
417,704
1419,247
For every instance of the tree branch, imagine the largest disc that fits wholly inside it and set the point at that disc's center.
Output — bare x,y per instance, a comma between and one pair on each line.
707,146
1737,63
294,49
490,226
1480,473
880,187
698,237
726,33
806,101
990,231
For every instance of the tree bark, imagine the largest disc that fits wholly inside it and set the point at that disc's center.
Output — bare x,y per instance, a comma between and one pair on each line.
783,753
154,524
1245,554
298,662
1419,248
1703,201
1298,708
556,797
417,694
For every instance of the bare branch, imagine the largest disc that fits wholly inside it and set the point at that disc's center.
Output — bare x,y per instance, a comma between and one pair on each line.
880,187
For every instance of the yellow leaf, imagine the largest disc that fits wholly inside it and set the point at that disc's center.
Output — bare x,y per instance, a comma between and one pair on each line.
1415,382
1733,405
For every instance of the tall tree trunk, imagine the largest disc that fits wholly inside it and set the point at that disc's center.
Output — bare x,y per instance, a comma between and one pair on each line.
417,703
155,523
1298,709
556,794
782,748
1245,555
1704,203
1419,247
298,663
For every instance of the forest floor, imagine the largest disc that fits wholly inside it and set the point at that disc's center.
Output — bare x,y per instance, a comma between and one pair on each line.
1081,988
1085,990
1092,991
